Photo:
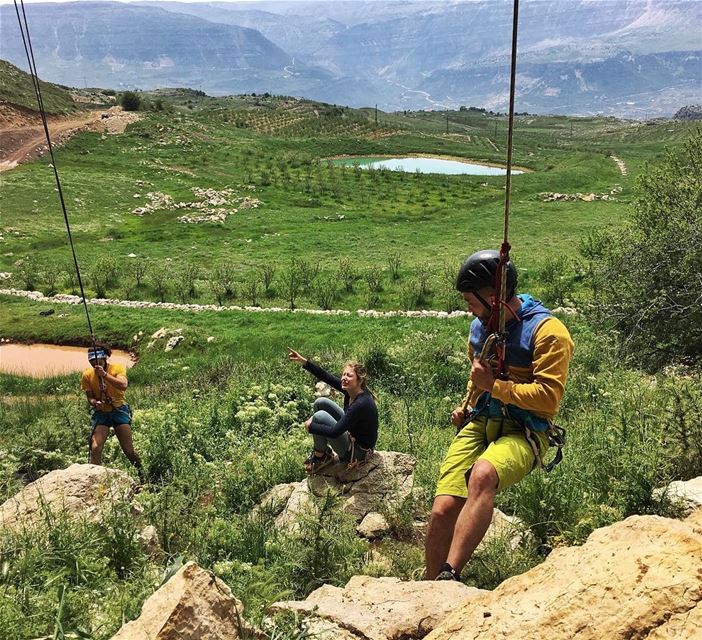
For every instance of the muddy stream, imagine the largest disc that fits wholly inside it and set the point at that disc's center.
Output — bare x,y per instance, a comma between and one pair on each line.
46,360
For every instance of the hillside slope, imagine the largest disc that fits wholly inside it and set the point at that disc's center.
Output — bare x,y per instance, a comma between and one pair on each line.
16,88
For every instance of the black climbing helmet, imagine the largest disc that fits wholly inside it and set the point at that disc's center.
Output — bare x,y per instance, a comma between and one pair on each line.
480,269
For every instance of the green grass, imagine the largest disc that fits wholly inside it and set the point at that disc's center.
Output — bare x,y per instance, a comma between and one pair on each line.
219,423
16,87
272,152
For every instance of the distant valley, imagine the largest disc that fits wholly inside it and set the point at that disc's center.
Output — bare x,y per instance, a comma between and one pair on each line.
631,58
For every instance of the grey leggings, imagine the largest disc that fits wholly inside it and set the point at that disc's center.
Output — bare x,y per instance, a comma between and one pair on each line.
328,412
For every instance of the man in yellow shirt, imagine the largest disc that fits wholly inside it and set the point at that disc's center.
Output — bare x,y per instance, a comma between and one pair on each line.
104,385
503,423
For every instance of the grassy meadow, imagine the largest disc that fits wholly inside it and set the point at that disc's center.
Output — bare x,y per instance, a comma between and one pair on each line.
306,232
219,422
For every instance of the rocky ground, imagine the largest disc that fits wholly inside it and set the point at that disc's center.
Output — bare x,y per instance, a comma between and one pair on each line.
636,579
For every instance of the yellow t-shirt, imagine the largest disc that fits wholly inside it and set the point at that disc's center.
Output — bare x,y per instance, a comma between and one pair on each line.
89,382
538,388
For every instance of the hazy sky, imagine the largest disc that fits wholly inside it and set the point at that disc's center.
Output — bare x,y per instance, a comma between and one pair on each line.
34,1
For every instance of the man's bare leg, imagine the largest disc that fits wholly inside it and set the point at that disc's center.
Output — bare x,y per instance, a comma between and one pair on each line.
124,435
476,514
97,442
440,532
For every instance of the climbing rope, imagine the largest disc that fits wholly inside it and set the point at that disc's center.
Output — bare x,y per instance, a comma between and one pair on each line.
29,51
27,42
499,305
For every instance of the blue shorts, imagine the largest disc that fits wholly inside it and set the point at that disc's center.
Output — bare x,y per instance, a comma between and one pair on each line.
114,418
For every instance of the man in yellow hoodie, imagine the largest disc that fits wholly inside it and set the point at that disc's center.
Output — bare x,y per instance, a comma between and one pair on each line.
503,423
104,385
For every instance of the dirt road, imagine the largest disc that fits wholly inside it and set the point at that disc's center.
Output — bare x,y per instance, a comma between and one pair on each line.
26,143
22,142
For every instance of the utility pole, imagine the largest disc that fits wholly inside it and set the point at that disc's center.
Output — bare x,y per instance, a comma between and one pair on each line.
376,115
447,122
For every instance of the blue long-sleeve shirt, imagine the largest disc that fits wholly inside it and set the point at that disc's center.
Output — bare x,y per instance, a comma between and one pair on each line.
360,417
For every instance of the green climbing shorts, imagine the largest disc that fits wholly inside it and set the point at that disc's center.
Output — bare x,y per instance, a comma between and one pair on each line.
499,441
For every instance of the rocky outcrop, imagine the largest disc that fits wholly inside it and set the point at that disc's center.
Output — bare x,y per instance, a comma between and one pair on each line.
373,526
687,494
689,112
639,578
508,528
379,608
192,605
385,480
81,490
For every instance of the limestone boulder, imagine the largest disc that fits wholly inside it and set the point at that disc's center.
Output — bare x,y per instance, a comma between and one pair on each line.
373,526
688,493
630,580
381,608
192,605
386,480
80,491
686,625
506,527
323,390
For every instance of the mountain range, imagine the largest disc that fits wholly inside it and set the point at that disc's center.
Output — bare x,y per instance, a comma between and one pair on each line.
621,57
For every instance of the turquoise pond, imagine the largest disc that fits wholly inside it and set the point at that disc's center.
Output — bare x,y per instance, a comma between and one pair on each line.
424,165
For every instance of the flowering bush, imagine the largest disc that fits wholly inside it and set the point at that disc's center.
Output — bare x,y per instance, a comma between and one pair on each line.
274,407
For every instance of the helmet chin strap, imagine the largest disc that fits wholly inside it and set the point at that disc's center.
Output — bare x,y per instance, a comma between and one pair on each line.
483,301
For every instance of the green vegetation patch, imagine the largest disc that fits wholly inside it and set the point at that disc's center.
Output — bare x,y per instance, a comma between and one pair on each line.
17,87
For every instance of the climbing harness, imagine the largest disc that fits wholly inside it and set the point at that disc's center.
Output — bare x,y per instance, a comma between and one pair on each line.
358,460
493,352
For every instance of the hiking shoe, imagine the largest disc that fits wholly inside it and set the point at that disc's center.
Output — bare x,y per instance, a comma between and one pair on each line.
315,463
448,573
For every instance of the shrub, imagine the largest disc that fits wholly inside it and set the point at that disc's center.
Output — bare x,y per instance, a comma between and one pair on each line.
27,272
267,274
103,273
394,263
130,101
647,276
346,274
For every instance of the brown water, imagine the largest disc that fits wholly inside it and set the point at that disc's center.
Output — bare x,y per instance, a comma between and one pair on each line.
46,360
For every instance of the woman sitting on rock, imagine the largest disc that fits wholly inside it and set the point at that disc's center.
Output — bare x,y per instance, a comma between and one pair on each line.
345,434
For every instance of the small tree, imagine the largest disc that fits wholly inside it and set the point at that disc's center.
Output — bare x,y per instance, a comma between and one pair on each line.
557,279
130,101
27,272
100,276
373,280
70,277
218,291
346,274
185,279
422,277
223,275
267,272
137,269
291,283
410,295
160,278
308,273
252,289
394,263
50,275
325,294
